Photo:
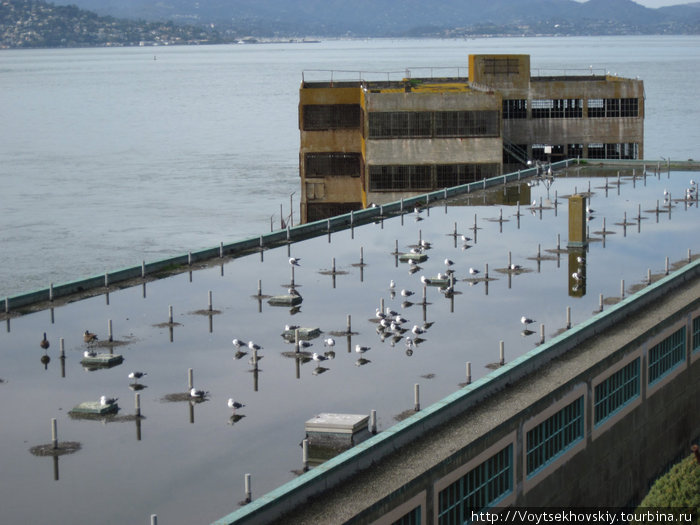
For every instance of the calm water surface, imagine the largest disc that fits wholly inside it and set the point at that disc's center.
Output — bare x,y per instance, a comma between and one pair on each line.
109,157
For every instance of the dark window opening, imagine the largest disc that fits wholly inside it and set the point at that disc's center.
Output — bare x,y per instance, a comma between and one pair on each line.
557,108
515,109
613,107
319,117
332,164
449,175
399,178
317,212
501,66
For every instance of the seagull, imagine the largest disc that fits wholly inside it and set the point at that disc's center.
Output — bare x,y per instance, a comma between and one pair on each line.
233,405
526,320
136,375
89,353
89,337
425,244
515,267
577,276
534,204
104,400
399,320
589,210
305,344
253,346
294,261
329,342
390,312
473,271
361,349
466,239
238,343
318,357
385,323
392,284
44,342
416,251
425,280
580,260
417,330
379,314
292,291
290,327
449,262
406,293
198,394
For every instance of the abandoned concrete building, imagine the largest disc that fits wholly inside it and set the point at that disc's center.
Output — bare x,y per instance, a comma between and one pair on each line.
367,141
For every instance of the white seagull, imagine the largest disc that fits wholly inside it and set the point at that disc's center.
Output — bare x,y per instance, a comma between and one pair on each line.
198,394
305,344
318,357
526,320
449,262
136,375
425,280
237,343
104,400
254,346
417,330
329,342
294,261
233,405
89,353
361,349
473,271
406,293
392,284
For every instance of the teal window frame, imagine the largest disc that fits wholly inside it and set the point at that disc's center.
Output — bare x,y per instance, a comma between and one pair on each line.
480,488
696,334
554,436
616,391
665,356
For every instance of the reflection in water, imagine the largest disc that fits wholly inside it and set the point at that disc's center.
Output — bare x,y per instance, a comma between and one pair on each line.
439,328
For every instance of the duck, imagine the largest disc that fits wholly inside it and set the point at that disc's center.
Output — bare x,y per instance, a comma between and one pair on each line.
89,337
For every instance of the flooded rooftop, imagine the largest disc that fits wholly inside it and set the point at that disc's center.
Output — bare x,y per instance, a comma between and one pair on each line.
186,459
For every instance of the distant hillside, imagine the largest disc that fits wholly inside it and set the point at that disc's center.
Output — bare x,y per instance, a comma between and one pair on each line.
409,17
34,23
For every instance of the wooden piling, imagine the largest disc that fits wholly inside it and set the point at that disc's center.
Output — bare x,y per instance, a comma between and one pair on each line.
54,434
501,353
137,404
190,379
305,454
469,372
373,421
416,397
110,336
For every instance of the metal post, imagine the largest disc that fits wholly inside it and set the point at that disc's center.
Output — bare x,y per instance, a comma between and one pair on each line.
373,421
109,331
469,372
305,454
416,397
137,404
248,491
54,434
501,353
568,317
190,379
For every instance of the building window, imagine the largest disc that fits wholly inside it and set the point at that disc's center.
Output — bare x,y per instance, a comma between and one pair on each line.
574,150
399,178
449,175
399,124
613,107
513,109
554,436
467,124
596,151
320,117
557,108
666,355
616,391
332,164
426,124
696,334
501,66
410,518
480,488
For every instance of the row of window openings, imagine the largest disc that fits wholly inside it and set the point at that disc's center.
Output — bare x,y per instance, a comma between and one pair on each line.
427,177
571,108
490,481
320,117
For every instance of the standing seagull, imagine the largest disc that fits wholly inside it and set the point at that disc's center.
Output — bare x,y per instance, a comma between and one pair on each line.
233,405
329,342
318,358
136,376
237,343
526,320
449,262
294,261
254,346
361,349
473,271
44,343
104,400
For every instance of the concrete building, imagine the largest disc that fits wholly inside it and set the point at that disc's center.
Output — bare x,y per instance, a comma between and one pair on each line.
369,141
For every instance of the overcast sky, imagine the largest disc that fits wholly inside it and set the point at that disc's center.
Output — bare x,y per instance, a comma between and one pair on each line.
658,3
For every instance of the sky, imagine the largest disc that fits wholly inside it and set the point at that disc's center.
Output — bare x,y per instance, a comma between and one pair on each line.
658,3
